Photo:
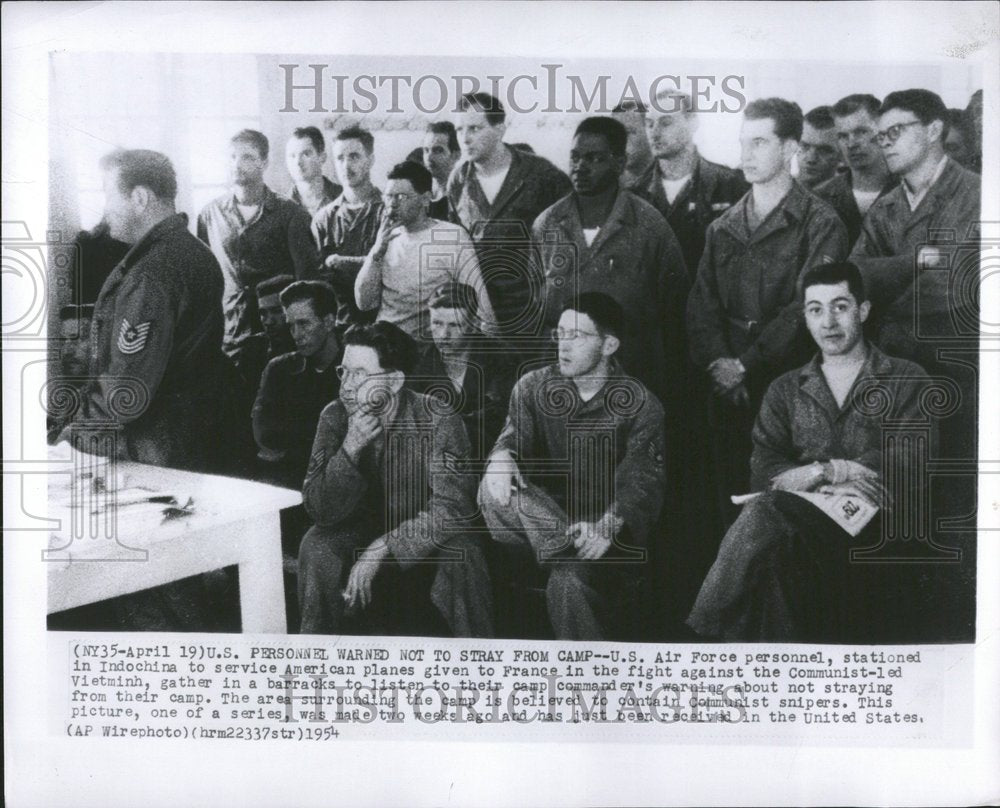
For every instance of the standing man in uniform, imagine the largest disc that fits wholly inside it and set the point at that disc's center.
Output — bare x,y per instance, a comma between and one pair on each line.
496,192
744,315
389,491
156,340
638,156
440,153
345,229
819,155
852,192
305,154
254,235
601,237
587,522
690,191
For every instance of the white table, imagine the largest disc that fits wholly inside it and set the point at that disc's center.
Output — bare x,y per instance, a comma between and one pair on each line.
96,557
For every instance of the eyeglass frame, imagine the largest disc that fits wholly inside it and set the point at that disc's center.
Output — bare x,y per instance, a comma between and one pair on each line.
884,137
343,372
555,333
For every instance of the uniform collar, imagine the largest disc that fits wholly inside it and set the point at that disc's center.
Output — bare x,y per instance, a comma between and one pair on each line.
812,381
789,211
163,228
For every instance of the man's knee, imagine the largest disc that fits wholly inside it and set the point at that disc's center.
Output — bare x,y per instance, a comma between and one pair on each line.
325,552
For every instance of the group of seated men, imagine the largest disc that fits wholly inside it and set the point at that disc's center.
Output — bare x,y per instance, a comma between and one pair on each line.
491,360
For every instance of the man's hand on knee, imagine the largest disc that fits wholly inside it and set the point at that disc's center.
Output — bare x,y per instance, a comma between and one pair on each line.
502,476
358,591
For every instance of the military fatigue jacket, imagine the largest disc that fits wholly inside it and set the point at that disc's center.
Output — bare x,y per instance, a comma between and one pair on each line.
636,260
276,241
886,252
590,455
502,232
711,191
800,423
410,484
156,354
745,300
839,193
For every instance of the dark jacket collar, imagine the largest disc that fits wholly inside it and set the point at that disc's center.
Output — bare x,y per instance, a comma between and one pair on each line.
163,228
790,211
812,381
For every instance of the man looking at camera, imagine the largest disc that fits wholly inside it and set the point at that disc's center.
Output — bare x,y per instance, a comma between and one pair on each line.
783,572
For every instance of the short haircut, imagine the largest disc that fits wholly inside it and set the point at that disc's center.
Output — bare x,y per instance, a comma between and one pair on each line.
313,134
850,104
455,295
614,132
256,139
84,311
273,286
523,147
142,167
416,156
679,102
446,128
819,118
786,115
395,348
960,121
832,274
319,293
924,104
604,310
366,138
485,103
420,178
630,105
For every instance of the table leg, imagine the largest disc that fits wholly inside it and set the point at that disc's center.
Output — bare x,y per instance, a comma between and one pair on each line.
262,587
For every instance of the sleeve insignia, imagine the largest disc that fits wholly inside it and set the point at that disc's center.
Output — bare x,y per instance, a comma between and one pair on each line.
132,338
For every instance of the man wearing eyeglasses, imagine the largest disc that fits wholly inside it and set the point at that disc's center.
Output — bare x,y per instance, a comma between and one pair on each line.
916,238
414,254
852,192
296,386
577,475
389,491
601,237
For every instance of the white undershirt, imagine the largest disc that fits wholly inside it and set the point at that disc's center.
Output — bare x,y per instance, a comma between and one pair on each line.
672,188
590,233
248,211
865,199
840,379
491,184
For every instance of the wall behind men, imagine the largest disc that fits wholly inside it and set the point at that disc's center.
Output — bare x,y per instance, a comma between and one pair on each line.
188,105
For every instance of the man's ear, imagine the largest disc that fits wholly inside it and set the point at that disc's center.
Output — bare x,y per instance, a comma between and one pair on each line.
396,380
864,310
935,131
611,344
329,321
141,197
789,148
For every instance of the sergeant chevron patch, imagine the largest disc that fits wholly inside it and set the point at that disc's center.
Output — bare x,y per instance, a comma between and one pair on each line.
132,338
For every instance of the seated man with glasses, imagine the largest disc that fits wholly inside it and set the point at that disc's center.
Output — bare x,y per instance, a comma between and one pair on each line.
577,475
413,254
391,497
296,386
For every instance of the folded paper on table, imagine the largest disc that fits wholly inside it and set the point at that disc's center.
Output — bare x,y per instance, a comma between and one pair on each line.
851,512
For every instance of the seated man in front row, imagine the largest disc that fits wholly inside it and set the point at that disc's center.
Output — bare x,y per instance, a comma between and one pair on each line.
586,520
389,492
783,571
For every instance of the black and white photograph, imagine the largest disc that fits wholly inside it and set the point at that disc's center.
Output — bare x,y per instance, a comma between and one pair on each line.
579,381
